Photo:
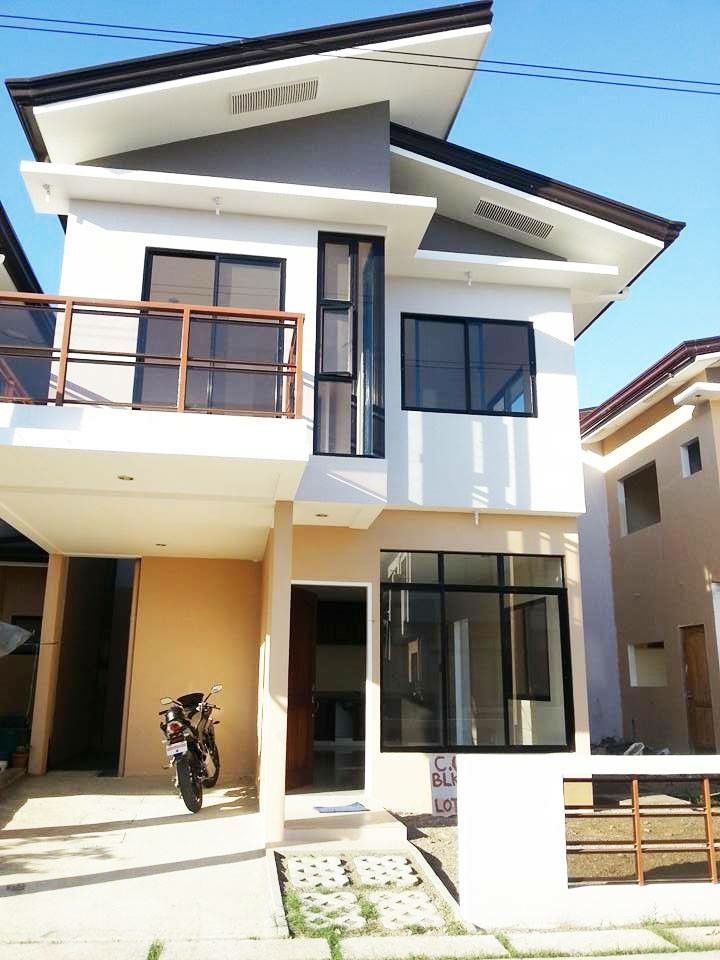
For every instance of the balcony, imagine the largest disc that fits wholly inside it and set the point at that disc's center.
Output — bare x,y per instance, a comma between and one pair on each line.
106,443
150,356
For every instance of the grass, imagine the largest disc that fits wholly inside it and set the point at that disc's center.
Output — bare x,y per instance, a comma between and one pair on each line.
156,949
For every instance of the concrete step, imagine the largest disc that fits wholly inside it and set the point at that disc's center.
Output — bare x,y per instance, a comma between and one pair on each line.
373,829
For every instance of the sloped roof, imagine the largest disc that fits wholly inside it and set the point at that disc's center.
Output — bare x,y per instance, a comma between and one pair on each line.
16,262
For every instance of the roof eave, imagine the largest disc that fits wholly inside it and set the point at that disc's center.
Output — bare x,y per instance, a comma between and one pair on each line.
28,93
16,262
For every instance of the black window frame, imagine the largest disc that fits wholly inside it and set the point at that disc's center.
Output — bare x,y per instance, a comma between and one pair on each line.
217,257
323,303
694,443
501,589
469,410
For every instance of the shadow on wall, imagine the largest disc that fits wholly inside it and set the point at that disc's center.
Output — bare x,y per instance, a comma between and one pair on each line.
488,461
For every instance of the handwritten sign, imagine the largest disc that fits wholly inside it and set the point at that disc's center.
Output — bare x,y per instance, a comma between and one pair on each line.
443,783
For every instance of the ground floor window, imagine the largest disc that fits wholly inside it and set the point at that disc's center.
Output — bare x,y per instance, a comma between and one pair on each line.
475,652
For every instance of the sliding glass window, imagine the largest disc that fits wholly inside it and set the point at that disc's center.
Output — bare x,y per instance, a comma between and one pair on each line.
349,381
468,365
216,343
475,652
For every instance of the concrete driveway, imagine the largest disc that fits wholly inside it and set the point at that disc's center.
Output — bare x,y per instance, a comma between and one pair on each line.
95,859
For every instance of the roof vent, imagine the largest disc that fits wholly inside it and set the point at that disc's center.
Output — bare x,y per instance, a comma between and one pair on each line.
513,219
280,95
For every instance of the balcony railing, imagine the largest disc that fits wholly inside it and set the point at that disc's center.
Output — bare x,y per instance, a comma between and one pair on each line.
150,356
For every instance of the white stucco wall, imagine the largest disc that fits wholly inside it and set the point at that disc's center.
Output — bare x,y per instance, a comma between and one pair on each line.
598,608
522,465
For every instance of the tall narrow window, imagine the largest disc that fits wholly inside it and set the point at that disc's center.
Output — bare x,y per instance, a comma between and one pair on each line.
350,381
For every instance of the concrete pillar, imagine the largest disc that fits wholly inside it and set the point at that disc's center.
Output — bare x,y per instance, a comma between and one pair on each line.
273,725
48,660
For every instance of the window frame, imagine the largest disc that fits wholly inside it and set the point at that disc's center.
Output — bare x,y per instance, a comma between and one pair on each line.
352,240
685,460
214,256
501,590
625,530
467,321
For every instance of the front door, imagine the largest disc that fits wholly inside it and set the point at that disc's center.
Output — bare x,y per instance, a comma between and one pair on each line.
301,682
697,691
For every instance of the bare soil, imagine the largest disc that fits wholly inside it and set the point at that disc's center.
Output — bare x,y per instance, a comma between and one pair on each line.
436,839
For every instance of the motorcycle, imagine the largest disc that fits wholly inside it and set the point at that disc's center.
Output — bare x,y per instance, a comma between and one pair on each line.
189,729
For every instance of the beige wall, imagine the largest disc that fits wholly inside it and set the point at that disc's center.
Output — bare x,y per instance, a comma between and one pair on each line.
21,593
401,780
197,622
662,575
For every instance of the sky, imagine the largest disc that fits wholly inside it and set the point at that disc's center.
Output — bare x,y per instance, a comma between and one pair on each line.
654,150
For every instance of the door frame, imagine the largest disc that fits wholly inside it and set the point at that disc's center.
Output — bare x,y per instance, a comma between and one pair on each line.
682,627
367,586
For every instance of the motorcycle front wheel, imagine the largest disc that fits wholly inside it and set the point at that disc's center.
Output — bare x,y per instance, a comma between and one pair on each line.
190,787
213,766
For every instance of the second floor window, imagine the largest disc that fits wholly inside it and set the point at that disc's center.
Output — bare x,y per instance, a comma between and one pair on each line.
349,379
232,363
467,365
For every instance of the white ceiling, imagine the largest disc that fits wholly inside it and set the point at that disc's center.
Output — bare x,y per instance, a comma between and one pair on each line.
427,100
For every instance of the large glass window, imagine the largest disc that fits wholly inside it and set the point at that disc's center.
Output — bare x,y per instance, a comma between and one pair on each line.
466,365
215,343
349,394
475,652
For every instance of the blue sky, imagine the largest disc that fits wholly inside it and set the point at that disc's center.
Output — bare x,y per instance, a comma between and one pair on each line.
658,151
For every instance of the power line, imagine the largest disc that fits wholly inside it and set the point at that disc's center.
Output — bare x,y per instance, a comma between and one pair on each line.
405,53
428,66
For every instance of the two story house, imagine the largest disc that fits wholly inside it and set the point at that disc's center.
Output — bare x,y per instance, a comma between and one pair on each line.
313,377
650,538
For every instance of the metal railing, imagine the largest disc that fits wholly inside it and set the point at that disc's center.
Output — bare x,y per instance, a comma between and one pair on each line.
150,356
643,802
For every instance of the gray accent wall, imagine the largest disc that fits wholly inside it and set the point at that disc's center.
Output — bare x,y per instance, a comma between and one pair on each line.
346,148
454,236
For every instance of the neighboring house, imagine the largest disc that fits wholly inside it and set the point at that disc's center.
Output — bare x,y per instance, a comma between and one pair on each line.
652,531
373,542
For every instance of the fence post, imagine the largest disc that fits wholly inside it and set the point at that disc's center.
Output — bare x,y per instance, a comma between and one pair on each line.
64,349
709,830
184,346
637,831
298,364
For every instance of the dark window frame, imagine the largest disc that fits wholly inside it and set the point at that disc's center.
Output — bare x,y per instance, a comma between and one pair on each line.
694,443
501,590
352,240
469,410
527,693
217,258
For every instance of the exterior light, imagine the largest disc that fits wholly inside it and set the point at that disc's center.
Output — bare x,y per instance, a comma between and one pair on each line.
216,201
46,191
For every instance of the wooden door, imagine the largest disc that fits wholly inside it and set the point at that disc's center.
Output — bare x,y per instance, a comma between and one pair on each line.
301,684
697,691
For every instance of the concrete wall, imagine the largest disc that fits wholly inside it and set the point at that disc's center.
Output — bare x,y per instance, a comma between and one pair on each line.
662,575
400,781
21,594
345,148
518,464
599,608
197,622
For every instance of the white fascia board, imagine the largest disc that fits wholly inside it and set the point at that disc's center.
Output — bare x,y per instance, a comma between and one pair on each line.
570,275
697,393
540,202
168,86
53,187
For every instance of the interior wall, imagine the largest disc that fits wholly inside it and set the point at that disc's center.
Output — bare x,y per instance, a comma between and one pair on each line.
401,781
197,623
22,590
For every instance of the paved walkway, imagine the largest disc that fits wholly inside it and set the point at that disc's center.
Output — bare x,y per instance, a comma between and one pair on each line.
98,859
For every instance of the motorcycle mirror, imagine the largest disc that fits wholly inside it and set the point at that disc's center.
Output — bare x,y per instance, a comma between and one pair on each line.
165,700
216,688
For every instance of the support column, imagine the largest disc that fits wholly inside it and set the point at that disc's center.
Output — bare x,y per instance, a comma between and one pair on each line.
48,660
273,725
